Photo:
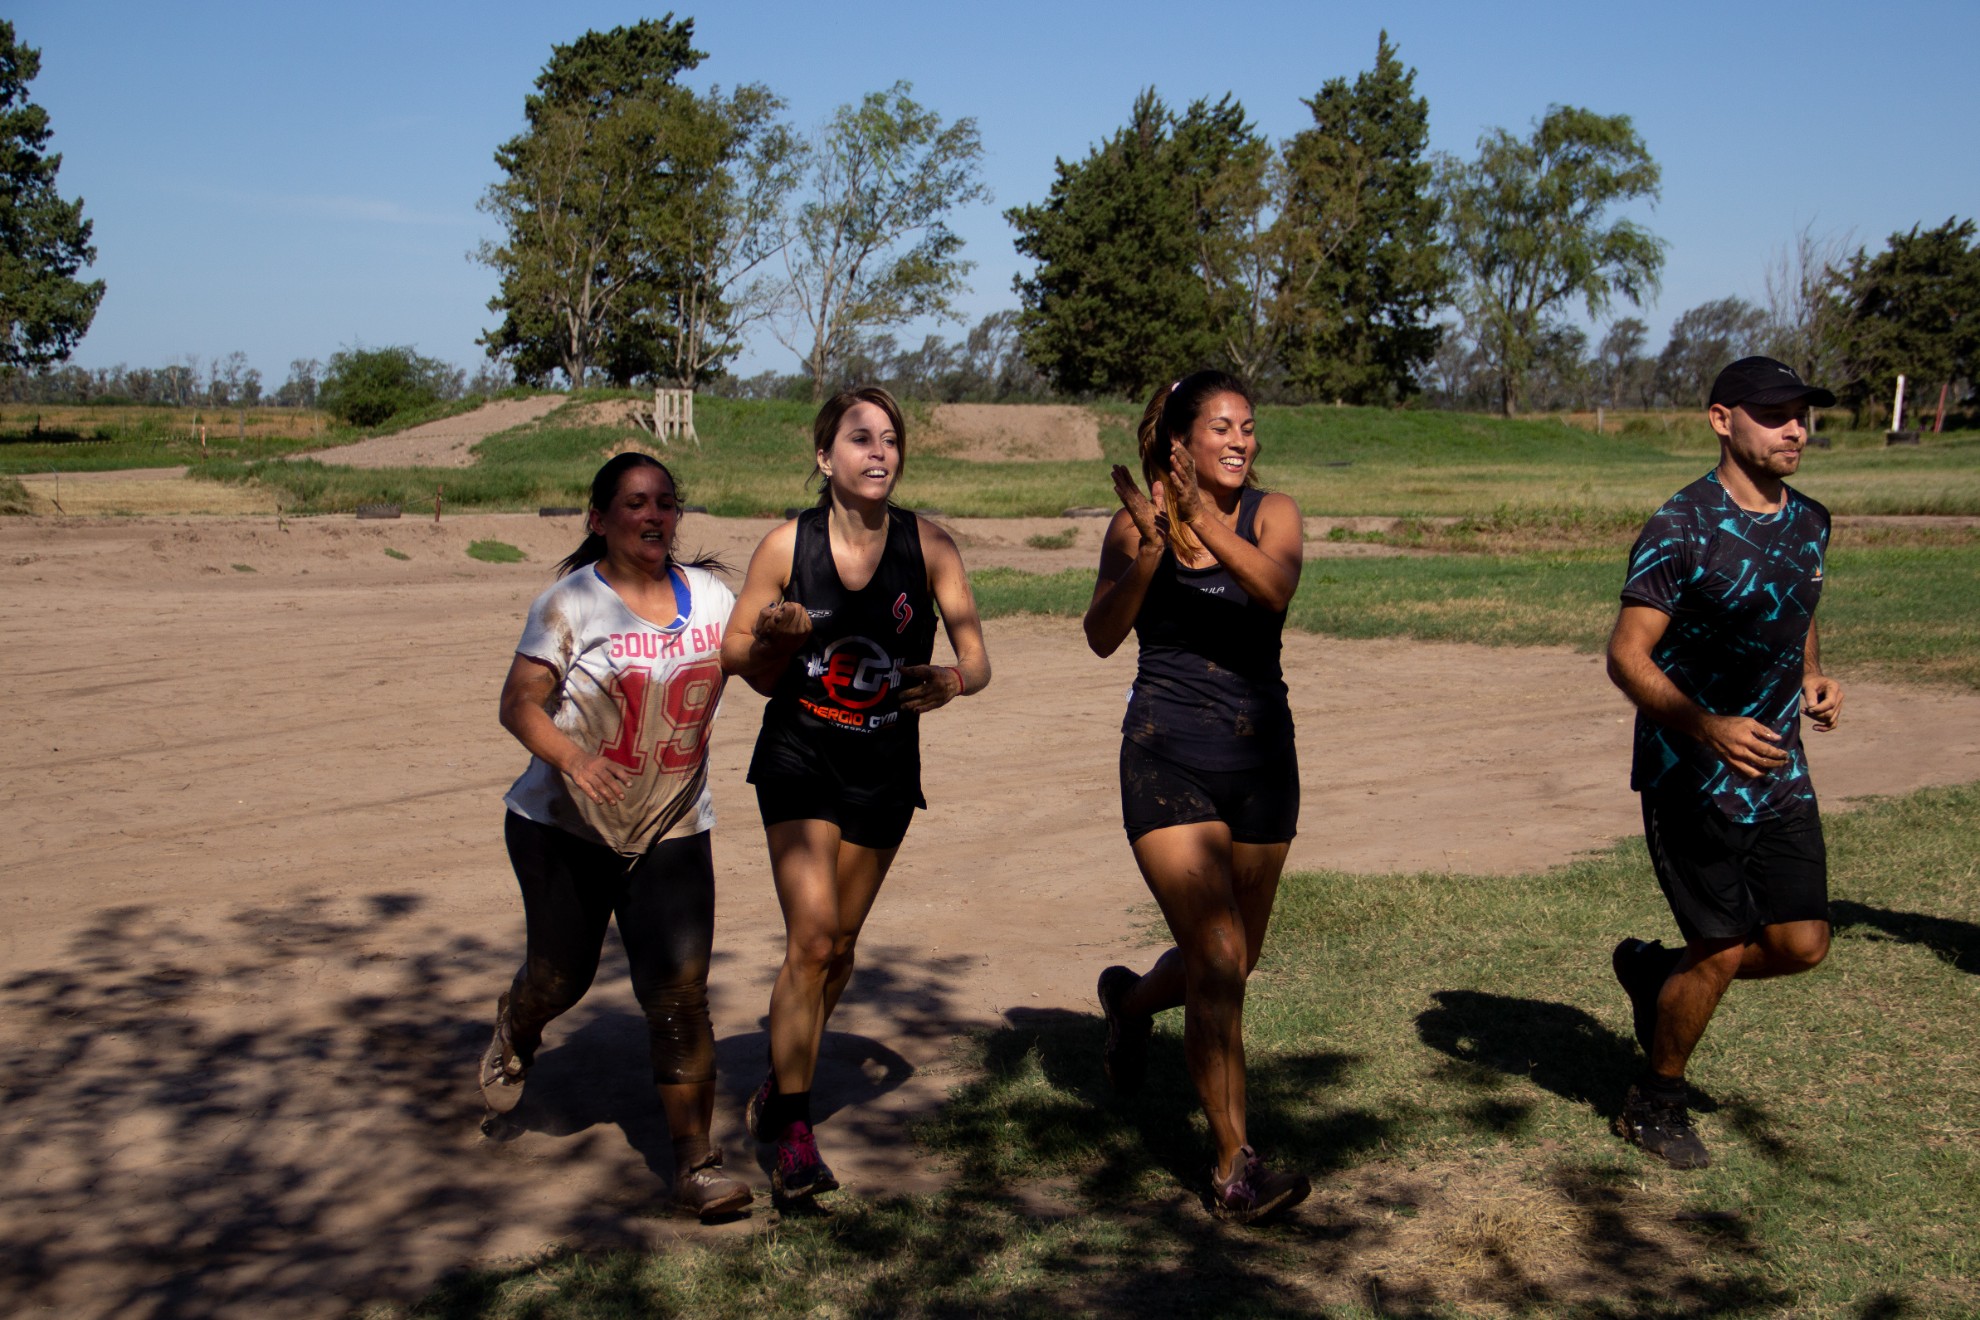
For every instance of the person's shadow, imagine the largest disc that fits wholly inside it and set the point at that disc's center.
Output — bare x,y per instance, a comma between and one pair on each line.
1563,1049
1950,939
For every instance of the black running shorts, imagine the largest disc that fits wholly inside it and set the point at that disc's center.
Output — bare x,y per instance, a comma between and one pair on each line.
1725,880
865,825
1261,805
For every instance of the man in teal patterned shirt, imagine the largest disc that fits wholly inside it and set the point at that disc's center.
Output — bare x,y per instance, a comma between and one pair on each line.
1716,647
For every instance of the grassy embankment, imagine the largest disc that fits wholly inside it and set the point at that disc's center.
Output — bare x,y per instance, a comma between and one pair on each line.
753,460
1443,1053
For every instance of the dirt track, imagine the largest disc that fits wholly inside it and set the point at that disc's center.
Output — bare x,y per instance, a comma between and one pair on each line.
258,910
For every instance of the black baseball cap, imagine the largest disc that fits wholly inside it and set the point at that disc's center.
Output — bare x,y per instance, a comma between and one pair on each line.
1764,381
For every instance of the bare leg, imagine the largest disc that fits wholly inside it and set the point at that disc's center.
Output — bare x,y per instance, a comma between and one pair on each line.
1255,871
826,887
1692,993
1189,868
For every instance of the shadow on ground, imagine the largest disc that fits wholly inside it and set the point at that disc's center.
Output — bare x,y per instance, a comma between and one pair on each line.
269,1114
1951,940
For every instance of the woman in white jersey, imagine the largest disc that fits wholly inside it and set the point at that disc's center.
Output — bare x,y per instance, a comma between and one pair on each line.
836,624
611,690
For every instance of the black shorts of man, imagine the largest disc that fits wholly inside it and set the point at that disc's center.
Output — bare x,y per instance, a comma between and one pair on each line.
1715,644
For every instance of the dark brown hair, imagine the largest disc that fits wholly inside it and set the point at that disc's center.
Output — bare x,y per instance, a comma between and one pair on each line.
604,489
825,429
1168,417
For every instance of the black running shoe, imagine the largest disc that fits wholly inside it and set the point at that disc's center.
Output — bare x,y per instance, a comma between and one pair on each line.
1254,1193
1641,968
1663,1128
1125,1057
503,1067
799,1172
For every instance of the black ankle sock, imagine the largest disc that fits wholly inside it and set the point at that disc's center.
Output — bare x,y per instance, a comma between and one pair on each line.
784,1110
1655,1086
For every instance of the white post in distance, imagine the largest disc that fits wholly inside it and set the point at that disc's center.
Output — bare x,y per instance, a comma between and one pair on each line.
1897,407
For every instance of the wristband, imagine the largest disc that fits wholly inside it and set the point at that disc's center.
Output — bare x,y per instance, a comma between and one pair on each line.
962,684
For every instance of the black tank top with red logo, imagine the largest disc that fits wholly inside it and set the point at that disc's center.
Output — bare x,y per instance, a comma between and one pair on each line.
837,709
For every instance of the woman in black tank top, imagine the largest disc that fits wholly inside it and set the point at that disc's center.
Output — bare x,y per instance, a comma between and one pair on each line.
1202,569
836,625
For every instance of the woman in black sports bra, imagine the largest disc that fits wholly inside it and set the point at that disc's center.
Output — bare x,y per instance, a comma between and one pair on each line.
1201,569
836,624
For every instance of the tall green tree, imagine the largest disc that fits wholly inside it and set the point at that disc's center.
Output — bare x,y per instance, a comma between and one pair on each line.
1117,300
871,245
1363,268
582,201
1913,308
44,241
1702,342
1530,229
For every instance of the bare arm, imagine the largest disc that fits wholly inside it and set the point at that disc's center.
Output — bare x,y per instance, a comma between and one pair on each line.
526,696
1748,746
928,687
1268,571
1128,559
1821,696
764,629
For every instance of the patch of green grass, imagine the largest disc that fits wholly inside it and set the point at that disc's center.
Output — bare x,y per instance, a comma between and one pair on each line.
244,568
1901,610
1443,1053
1059,540
495,552
755,459
14,497
396,554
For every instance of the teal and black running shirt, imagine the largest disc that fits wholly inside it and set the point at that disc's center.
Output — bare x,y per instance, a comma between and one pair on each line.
1741,590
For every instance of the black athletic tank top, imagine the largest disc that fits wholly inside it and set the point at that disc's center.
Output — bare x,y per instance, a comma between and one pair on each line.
837,709
1208,691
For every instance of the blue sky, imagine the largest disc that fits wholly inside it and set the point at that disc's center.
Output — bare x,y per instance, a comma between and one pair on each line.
286,180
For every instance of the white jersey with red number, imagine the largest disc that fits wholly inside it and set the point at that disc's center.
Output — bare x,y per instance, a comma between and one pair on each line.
636,693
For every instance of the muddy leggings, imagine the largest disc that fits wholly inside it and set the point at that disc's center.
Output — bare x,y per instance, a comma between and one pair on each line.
665,905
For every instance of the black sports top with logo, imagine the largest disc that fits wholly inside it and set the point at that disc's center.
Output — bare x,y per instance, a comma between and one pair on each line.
837,711
1208,691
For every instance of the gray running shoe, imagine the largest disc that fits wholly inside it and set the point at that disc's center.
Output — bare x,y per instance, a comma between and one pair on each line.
1663,1128
1125,1056
503,1069
707,1190
1254,1193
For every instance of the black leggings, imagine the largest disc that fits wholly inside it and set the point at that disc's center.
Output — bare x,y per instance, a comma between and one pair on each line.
665,903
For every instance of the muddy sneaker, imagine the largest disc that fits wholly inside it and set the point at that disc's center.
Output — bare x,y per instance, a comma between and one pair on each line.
1254,1192
1125,1056
503,1068
1641,968
799,1174
707,1190
1663,1128
753,1111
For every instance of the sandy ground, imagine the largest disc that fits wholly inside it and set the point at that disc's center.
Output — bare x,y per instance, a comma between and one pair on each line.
445,443
258,909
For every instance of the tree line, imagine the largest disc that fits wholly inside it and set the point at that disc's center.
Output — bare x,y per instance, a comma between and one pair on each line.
646,229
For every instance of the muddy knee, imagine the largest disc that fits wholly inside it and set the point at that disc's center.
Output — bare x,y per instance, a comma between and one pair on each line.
679,1033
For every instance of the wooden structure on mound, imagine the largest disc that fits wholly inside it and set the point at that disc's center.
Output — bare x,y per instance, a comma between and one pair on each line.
672,415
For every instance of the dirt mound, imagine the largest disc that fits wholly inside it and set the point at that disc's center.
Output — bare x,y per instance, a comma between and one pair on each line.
445,443
1014,432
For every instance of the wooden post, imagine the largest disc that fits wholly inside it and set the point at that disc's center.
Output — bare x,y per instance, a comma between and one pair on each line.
1939,417
1897,407
436,505
1598,419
